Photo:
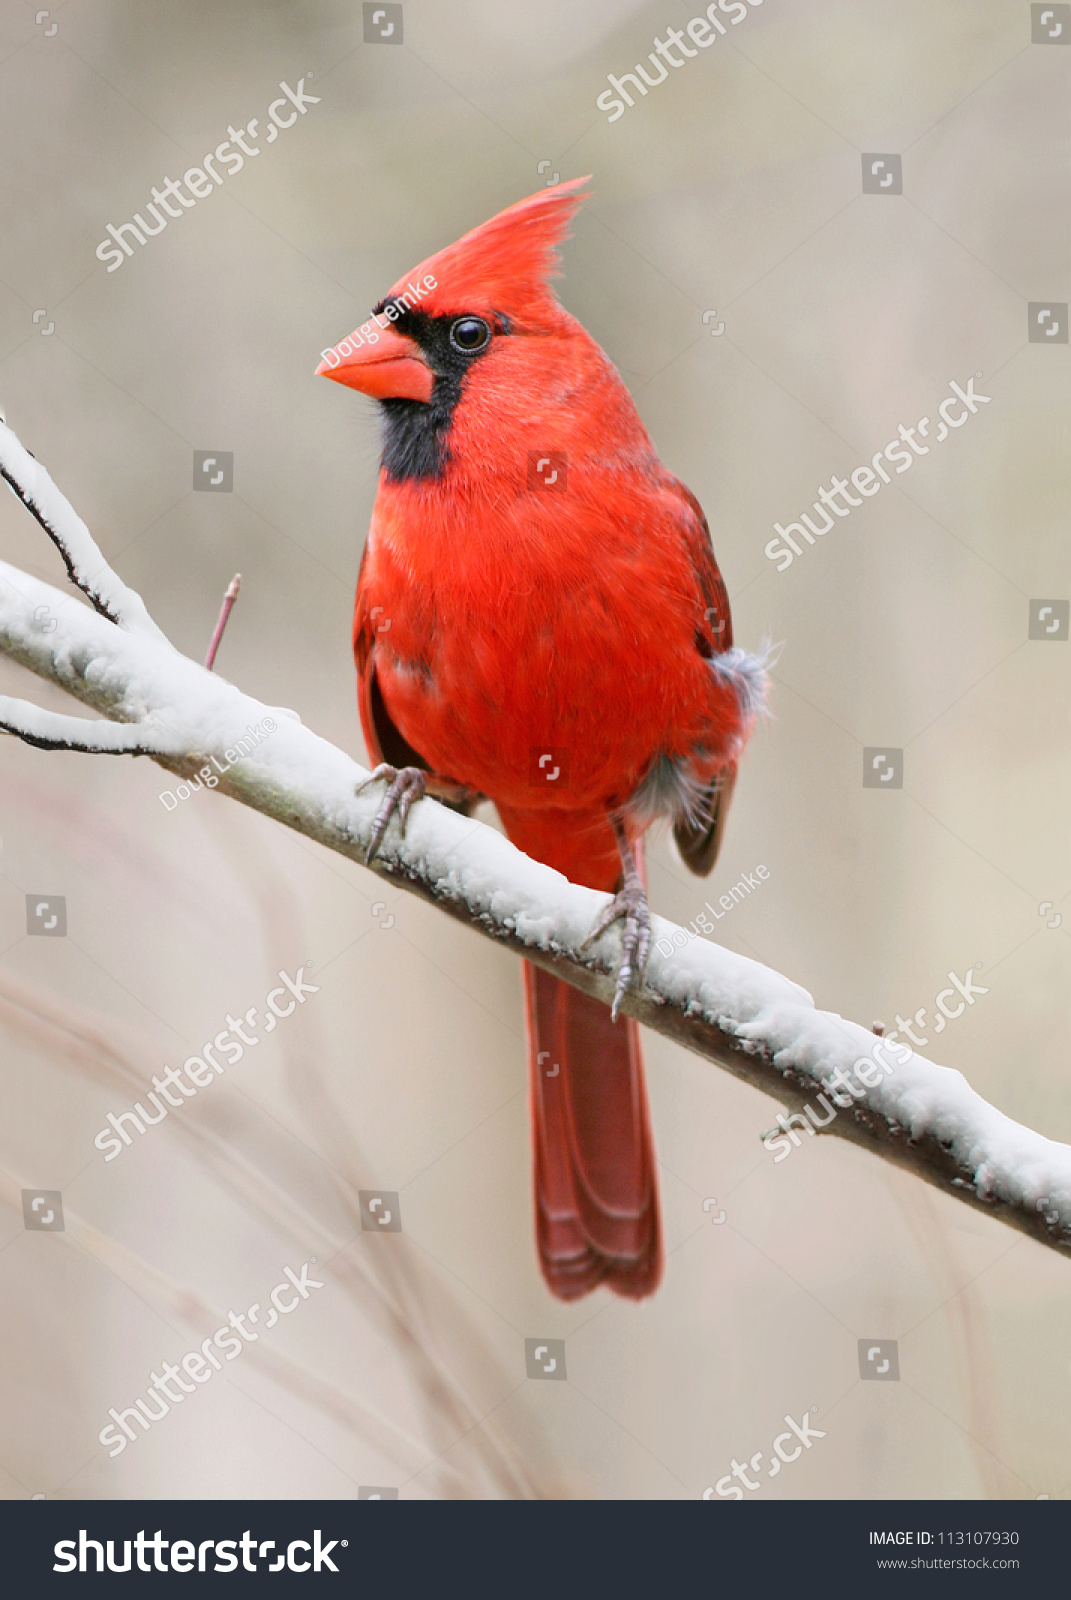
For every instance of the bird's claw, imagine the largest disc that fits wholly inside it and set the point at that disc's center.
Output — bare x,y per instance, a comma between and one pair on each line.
405,785
630,903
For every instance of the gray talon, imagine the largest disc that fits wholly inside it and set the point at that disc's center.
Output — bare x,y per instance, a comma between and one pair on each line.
630,902
405,785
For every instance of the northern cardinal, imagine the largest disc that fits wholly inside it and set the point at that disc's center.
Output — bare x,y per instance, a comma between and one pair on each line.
540,621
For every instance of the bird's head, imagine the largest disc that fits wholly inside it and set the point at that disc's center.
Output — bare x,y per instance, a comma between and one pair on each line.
461,327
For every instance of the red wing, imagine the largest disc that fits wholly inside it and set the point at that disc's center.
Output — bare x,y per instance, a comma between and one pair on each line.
715,600
700,842
363,641
384,741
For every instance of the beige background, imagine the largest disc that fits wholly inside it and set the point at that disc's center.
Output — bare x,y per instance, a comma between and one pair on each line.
735,186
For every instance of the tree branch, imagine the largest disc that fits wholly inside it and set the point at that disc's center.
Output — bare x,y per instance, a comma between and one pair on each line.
86,566
757,1024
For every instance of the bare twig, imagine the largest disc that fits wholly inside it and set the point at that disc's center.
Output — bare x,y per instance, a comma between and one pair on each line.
224,612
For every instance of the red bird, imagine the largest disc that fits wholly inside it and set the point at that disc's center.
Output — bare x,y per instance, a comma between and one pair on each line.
551,591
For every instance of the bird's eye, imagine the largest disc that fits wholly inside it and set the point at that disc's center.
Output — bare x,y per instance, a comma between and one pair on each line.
470,334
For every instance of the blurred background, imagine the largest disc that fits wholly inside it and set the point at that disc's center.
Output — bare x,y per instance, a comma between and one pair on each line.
734,188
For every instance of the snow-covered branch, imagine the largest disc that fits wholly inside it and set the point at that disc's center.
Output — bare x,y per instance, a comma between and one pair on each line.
86,566
738,1013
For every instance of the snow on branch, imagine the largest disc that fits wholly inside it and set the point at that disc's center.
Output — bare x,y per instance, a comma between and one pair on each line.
86,566
736,1012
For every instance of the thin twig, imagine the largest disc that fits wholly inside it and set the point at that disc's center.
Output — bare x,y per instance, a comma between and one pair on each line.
224,612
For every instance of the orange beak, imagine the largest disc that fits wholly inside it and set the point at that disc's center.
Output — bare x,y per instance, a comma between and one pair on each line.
379,362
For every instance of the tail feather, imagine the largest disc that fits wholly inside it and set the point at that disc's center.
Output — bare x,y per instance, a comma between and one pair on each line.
597,1215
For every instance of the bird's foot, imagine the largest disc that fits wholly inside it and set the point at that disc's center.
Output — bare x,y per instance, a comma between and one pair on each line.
630,902
405,785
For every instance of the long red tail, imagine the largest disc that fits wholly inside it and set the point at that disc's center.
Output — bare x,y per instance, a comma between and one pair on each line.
596,1191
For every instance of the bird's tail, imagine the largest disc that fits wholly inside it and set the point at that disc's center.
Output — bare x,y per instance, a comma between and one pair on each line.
596,1191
